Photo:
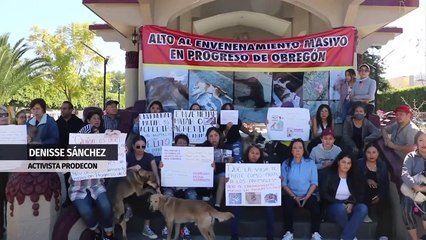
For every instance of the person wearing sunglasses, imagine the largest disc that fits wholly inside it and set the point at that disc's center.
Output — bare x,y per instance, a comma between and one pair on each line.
364,89
137,159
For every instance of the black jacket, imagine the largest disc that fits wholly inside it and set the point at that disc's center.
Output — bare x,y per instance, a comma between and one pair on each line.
66,127
328,188
382,176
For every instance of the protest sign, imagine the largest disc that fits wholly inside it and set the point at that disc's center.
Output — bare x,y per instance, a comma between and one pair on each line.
187,167
288,123
157,128
194,124
229,116
253,184
116,168
11,135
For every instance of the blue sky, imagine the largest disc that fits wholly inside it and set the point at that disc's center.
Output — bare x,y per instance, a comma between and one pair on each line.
18,16
404,56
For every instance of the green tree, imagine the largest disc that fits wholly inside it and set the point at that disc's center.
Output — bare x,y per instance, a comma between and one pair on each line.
15,70
70,61
372,58
117,86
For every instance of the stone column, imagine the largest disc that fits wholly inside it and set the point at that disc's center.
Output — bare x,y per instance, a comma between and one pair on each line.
131,74
33,204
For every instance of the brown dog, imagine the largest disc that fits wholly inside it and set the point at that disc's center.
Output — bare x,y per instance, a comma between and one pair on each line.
178,211
120,188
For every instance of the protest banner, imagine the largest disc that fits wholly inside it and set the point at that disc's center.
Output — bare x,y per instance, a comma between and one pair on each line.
194,124
253,184
182,69
288,123
187,166
157,128
113,169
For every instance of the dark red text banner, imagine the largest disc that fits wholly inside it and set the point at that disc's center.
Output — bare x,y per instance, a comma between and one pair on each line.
333,48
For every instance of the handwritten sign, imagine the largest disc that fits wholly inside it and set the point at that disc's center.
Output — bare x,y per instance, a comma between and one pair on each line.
229,116
12,134
253,184
157,128
288,123
194,124
113,168
187,167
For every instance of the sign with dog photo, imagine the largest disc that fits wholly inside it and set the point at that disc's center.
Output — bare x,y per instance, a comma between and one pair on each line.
251,184
288,123
194,124
157,128
113,168
187,166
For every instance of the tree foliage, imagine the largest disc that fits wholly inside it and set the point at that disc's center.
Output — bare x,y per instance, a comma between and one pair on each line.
15,70
372,58
70,62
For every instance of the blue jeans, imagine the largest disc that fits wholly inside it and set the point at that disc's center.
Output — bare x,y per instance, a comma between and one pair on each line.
269,214
189,193
237,149
85,208
349,223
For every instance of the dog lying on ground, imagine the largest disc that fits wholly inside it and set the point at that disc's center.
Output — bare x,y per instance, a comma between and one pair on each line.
120,188
418,197
201,87
177,211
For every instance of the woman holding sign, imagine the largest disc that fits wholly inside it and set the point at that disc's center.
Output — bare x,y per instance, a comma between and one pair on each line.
300,181
83,201
253,154
232,134
215,140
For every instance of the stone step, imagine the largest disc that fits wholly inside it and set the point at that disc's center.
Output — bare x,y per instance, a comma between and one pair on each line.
250,229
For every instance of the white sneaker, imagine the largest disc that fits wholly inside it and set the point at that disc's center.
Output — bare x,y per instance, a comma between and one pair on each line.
206,198
288,236
149,233
316,236
367,219
383,238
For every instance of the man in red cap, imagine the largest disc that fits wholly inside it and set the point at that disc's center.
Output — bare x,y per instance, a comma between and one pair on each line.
402,132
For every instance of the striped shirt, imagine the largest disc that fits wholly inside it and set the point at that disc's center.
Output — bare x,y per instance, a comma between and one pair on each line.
79,189
110,123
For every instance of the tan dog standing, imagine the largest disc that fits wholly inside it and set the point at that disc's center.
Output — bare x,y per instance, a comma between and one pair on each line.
177,211
120,188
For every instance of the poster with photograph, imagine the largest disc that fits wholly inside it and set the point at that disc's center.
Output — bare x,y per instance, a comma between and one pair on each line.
288,123
194,124
199,170
253,184
337,79
315,85
252,95
287,89
210,89
167,85
157,128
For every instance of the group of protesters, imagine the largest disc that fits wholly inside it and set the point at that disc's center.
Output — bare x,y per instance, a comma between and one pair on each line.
346,183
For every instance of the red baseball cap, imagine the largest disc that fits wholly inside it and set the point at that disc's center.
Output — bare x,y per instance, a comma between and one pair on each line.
327,131
403,108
